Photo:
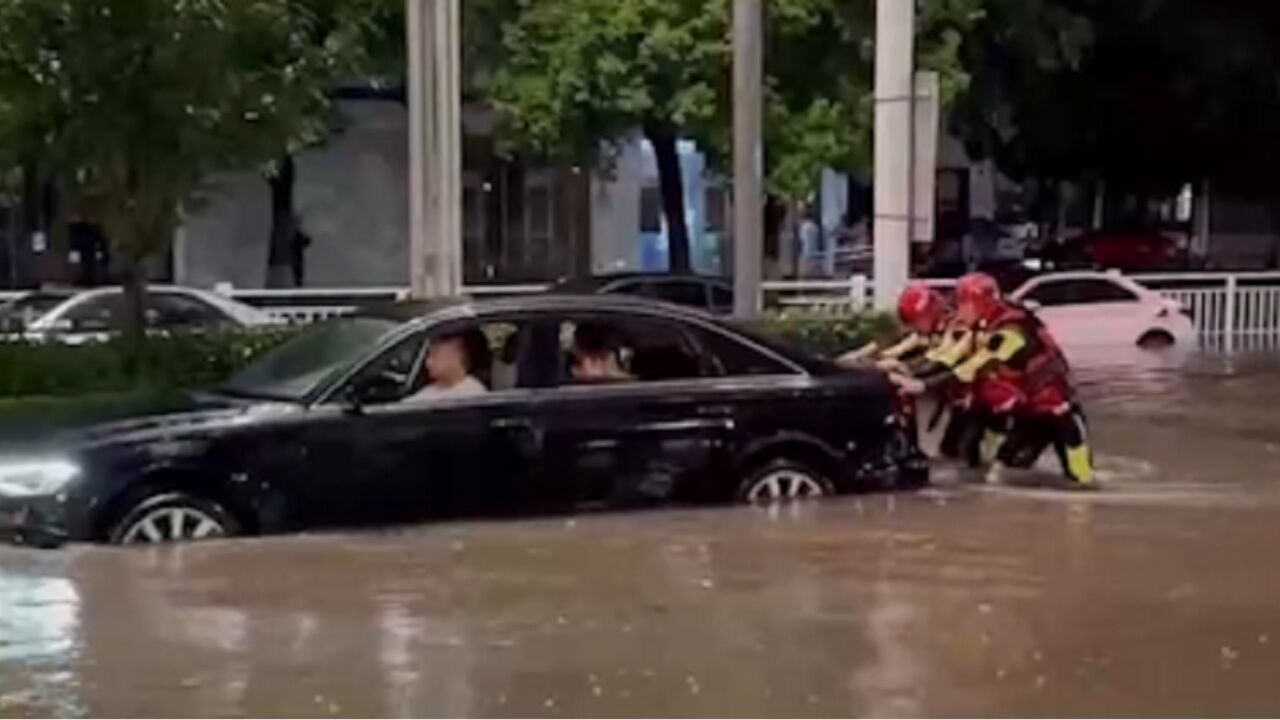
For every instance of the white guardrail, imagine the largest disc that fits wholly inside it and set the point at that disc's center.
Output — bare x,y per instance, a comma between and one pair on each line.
1229,309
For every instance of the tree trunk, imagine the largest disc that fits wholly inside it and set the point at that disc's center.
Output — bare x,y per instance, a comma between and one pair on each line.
671,186
133,282
283,226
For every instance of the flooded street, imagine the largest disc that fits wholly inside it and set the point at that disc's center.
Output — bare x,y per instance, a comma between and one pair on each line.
1159,595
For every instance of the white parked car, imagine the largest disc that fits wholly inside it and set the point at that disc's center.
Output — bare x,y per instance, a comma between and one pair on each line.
1099,310
76,316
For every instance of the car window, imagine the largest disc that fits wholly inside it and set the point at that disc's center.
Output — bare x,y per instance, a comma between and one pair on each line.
732,358
689,293
102,313
603,349
501,355
1079,292
179,310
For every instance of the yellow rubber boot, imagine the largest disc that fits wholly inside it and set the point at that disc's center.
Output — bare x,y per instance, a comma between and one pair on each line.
1080,465
989,449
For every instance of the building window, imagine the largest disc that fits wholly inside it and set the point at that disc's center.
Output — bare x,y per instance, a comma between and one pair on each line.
650,210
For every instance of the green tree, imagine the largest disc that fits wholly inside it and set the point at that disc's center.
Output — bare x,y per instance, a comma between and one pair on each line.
577,77
137,102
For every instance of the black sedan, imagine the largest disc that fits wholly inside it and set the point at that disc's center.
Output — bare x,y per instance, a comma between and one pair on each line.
571,403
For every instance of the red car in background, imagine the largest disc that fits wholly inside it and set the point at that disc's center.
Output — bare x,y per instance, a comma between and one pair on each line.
1128,251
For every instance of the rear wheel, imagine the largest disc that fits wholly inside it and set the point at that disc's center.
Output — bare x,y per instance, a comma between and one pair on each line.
1156,340
782,481
172,517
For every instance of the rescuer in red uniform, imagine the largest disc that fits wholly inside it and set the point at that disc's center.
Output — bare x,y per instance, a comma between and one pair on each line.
1021,385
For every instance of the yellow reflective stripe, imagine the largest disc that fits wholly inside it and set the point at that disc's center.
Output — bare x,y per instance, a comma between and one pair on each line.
953,348
1007,343
968,371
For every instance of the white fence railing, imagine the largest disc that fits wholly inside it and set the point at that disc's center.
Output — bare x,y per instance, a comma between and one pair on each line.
1229,310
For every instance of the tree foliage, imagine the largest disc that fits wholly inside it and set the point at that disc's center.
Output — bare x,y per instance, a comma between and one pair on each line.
138,102
579,76
1148,95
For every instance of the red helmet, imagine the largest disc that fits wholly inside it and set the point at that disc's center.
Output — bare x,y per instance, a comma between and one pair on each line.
921,307
978,297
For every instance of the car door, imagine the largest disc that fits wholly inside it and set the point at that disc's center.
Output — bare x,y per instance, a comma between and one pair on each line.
1086,312
385,459
653,436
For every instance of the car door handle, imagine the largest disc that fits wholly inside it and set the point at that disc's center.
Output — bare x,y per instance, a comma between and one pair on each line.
715,411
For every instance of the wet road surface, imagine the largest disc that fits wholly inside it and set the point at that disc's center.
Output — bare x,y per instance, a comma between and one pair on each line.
1158,596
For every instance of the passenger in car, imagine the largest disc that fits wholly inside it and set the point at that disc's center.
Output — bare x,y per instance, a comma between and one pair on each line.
597,355
452,363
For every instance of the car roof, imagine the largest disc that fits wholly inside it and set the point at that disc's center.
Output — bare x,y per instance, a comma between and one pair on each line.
592,283
1114,277
442,308
431,312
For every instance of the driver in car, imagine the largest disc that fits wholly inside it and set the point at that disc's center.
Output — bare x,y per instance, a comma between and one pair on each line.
451,362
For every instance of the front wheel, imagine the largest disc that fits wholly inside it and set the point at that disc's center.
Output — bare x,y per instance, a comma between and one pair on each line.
782,481
173,517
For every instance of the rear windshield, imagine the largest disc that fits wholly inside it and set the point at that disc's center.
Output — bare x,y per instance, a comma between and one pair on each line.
809,362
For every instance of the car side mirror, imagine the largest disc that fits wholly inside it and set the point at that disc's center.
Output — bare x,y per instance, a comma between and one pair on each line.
1032,305
379,389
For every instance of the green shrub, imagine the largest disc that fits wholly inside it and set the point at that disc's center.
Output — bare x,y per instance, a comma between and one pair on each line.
175,362
828,335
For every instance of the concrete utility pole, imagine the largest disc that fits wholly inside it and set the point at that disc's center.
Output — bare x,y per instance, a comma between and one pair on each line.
435,147
895,100
748,156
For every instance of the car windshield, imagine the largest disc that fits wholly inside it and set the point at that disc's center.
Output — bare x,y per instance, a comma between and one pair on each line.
295,369
21,313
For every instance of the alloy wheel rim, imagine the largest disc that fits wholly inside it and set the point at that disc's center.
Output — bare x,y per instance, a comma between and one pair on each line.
784,485
166,525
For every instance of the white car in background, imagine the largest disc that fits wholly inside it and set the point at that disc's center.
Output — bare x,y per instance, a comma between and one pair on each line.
1092,311
76,316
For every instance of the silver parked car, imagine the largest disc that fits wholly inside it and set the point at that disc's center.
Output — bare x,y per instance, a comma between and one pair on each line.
76,316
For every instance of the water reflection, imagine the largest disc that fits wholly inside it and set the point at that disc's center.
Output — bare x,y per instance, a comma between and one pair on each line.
956,601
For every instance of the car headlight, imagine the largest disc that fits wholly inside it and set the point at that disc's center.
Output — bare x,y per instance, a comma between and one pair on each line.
36,477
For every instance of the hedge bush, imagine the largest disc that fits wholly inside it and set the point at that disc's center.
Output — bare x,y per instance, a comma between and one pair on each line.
828,335
192,361
176,362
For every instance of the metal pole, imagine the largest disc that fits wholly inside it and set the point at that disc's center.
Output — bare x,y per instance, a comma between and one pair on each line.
1229,321
435,147
748,155
895,95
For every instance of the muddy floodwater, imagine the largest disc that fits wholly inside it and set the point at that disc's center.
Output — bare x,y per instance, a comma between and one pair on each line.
1159,595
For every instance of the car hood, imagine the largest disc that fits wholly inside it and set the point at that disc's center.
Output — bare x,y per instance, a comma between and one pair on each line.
172,419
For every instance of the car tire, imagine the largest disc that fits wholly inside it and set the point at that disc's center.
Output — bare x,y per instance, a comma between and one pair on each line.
172,517
1156,340
781,481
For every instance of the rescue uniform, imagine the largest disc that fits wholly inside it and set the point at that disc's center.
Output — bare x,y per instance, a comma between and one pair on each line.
1022,391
